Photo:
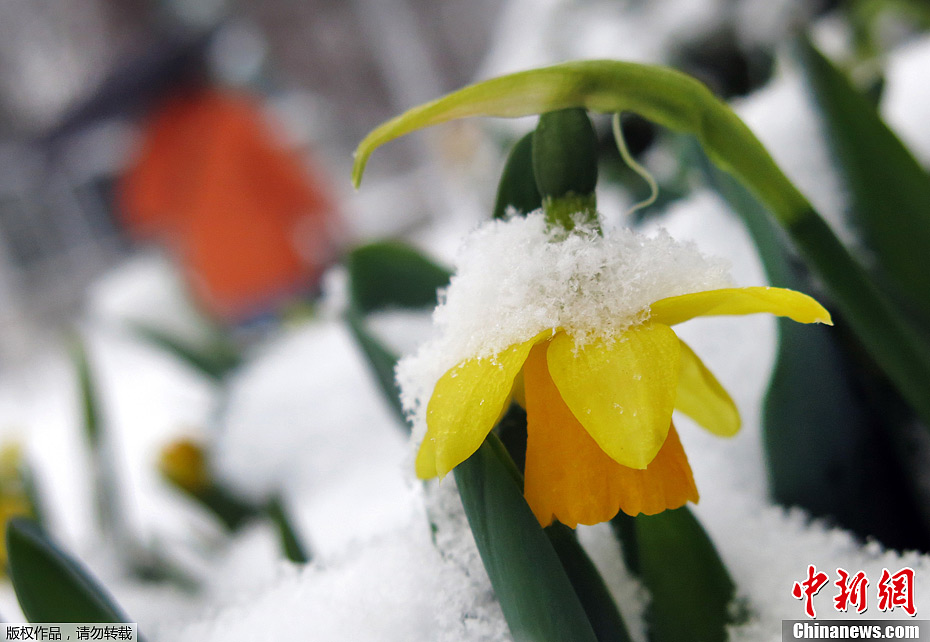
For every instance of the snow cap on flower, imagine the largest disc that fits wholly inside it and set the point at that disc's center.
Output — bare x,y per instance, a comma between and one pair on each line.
517,278
582,339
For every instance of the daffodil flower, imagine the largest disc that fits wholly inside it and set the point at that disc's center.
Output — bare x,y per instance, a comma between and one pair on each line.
599,413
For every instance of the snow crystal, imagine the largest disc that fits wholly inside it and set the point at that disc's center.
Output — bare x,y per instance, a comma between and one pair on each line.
518,278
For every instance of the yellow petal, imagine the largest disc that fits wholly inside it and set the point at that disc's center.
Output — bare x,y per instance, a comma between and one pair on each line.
466,403
623,391
778,301
568,476
667,483
701,397
425,464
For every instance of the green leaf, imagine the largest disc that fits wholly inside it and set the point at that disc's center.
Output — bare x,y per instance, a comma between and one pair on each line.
517,187
50,585
389,274
828,449
691,589
589,586
105,481
534,592
665,96
683,104
215,360
889,190
291,544
624,528
229,507
90,411
381,360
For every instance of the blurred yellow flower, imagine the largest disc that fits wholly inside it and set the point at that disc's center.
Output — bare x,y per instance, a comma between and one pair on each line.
14,498
184,464
600,435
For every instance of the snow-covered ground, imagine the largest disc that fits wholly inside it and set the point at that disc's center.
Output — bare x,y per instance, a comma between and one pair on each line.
305,418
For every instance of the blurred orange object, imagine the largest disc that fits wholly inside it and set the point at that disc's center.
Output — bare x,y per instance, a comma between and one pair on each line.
243,213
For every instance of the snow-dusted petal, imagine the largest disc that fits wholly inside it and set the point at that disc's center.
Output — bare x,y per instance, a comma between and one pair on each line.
701,397
731,301
622,391
466,403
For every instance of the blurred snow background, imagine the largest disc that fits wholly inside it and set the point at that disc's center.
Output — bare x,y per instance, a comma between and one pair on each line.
304,417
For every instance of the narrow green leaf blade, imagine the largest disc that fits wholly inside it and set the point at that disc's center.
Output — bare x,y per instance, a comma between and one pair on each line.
535,594
389,274
105,484
665,96
90,411
381,361
592,592
889,189
690,587
50,585
589,586
382,276
517,187
229,507
215,361
291,544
